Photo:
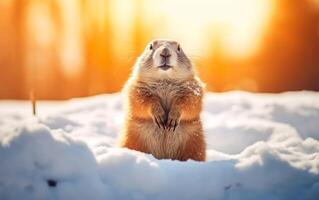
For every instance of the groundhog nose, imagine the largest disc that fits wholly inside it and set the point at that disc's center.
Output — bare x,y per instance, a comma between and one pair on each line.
165,53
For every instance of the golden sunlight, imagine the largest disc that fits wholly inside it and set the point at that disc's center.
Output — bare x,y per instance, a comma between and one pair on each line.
238,24
88,47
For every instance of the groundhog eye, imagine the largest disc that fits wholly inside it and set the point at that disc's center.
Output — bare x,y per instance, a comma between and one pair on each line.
151,46
178,48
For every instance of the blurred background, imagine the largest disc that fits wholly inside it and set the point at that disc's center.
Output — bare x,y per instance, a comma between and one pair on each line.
72,48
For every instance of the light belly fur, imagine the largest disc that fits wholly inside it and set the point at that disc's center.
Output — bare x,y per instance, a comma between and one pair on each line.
163,143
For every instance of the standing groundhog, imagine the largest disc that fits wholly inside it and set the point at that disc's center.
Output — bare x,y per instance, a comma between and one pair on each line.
164,101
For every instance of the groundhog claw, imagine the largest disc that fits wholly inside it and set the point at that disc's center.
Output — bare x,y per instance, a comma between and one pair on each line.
169,124
162,122
173,120
157,123
158,115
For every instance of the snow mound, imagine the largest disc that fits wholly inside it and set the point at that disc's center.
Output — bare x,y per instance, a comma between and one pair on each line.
259,147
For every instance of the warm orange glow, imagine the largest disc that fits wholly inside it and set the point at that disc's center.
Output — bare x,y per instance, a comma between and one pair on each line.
71,42
39,24
195,22
63,49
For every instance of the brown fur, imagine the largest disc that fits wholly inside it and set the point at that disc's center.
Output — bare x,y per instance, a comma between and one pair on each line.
163,118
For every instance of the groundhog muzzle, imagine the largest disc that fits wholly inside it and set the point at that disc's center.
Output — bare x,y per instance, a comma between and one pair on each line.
163,105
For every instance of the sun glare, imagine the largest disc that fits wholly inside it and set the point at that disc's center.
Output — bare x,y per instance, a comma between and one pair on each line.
241,23
238,24
89,46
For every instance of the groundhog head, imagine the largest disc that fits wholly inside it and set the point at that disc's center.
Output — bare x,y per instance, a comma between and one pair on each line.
164,59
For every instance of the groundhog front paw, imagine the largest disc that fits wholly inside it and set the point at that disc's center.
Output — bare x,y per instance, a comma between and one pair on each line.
173,120
158,115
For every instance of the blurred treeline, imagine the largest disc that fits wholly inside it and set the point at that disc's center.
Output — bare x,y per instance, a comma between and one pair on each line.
63,49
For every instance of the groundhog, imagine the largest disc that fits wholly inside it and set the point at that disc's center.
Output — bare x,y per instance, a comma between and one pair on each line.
164,101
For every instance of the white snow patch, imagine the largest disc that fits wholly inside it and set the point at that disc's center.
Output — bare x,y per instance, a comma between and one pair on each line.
259,147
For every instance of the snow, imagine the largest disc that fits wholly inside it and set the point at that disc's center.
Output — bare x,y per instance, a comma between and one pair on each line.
260,146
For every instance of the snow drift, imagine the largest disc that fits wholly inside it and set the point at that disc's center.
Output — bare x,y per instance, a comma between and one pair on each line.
259,147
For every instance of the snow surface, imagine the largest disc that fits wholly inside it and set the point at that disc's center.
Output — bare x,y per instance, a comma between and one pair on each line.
259,147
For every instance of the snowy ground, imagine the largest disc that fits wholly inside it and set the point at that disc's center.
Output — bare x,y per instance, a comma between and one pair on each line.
259,147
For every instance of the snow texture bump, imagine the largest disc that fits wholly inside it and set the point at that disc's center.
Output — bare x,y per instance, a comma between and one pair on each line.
259,147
